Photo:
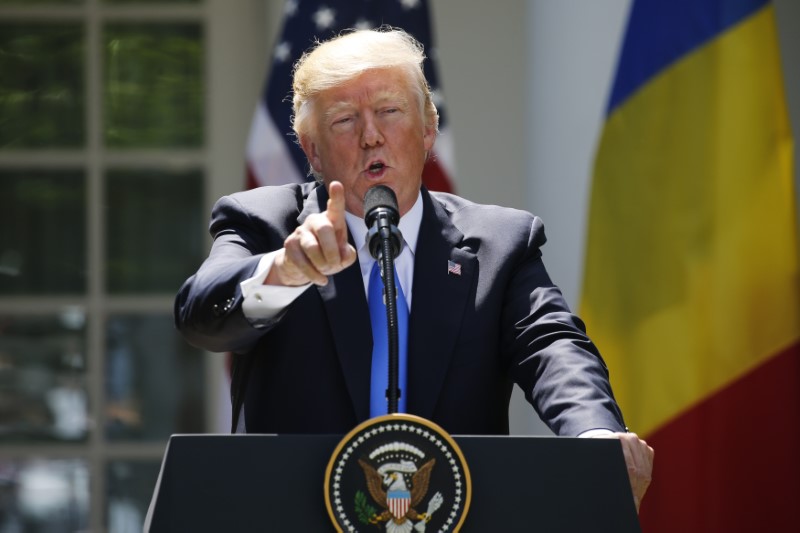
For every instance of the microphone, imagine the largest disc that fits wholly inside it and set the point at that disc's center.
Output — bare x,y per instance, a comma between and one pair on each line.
385,242
382,217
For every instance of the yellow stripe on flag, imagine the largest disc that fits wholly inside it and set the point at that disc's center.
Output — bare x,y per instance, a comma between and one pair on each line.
692,263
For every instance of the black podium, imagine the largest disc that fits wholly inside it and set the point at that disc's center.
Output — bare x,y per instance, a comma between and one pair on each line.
243,483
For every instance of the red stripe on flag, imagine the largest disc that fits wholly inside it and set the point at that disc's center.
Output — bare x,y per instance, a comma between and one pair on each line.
435,178
250,181
732,463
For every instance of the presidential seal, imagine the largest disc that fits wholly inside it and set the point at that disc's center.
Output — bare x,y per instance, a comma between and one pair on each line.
397,473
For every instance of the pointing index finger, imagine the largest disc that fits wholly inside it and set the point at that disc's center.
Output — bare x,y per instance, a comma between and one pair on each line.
335,213
336,204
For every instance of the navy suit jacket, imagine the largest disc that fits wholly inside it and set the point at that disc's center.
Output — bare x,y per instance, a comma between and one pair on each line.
471,336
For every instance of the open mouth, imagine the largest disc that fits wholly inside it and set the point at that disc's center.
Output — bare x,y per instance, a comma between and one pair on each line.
376,168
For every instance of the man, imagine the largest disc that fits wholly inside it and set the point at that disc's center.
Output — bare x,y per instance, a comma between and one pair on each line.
285,284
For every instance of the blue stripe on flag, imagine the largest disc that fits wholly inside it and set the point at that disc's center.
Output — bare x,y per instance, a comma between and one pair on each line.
661,31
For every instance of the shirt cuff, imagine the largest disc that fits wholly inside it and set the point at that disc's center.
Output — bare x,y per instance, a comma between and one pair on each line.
600,432
263,302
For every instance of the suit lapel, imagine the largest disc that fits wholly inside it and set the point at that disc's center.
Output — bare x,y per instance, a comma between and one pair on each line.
348,316
437,305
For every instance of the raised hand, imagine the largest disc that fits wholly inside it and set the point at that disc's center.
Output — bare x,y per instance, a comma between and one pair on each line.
316,249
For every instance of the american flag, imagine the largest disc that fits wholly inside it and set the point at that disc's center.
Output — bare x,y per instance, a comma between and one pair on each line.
273,156
453,268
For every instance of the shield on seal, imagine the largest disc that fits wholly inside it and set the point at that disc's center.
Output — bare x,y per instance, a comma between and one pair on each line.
399,501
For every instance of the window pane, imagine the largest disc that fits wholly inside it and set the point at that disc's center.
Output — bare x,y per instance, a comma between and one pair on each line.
130,486
43,377
155,229
44,495
43,249
153,85
154,379
41,87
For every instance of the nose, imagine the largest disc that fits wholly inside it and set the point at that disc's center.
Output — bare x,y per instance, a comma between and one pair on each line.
371,135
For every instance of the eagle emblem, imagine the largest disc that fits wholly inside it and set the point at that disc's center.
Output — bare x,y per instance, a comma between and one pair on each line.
399,488
397,473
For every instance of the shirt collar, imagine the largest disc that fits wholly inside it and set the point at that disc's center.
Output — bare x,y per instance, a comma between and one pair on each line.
409,226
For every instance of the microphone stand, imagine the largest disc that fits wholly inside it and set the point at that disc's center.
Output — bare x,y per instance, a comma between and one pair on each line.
386,261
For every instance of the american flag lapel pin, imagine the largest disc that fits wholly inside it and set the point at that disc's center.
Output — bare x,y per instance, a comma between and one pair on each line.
453,268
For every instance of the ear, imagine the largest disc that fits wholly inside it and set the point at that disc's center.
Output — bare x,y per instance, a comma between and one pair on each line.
429,137
312,152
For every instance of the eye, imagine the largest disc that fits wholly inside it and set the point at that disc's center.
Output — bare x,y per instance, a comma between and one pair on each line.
342,122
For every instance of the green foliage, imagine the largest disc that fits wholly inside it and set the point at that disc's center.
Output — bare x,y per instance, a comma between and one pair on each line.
153,85
364,510
42,95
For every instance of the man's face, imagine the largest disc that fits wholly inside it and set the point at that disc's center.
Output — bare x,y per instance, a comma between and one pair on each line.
370,131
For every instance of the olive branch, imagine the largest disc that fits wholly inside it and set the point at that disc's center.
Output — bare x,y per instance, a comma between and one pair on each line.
364,510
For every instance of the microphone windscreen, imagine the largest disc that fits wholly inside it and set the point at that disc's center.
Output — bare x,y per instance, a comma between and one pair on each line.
379,196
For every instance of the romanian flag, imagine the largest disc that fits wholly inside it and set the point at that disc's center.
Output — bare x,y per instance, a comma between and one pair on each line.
692,284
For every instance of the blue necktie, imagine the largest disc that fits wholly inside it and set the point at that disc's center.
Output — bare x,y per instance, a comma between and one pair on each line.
380,345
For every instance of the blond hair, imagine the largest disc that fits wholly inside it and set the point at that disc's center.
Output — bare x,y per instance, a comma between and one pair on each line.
347,56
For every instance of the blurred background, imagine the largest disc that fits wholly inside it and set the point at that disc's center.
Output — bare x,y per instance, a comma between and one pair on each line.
122,121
